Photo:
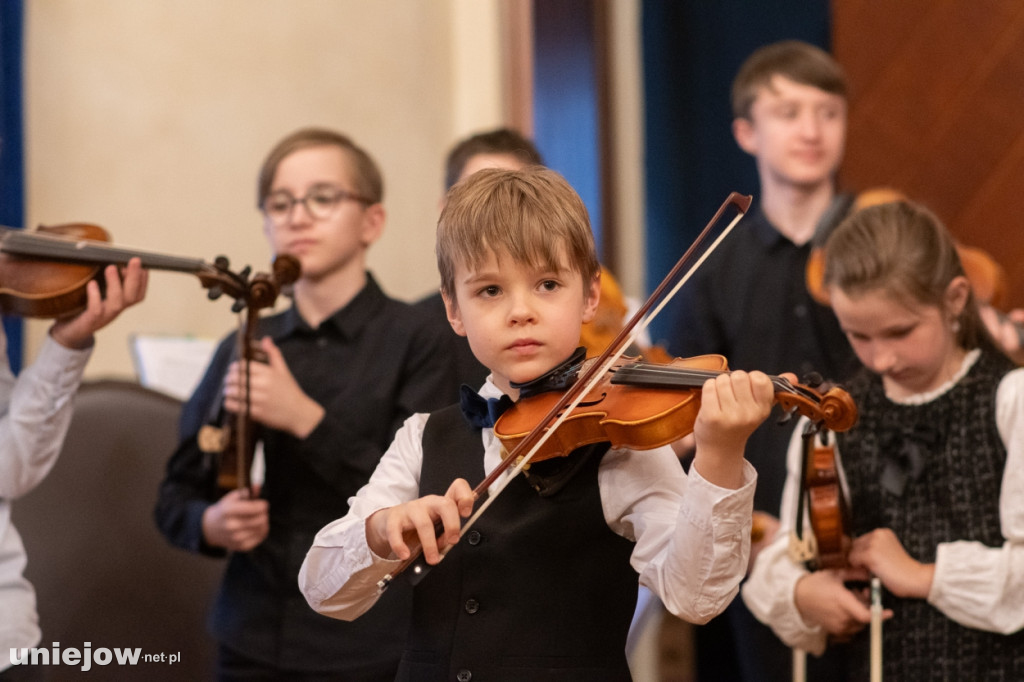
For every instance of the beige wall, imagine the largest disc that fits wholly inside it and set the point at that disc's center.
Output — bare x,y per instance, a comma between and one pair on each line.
151,118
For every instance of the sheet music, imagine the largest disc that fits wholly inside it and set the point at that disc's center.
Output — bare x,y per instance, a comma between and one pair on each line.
171,364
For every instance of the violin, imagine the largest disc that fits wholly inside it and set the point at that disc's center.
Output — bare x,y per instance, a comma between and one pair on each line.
828,510
232,439
989,284
642,406
44,272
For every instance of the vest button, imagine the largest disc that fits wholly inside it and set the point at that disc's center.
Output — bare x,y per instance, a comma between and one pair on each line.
464,675
473,537
472,606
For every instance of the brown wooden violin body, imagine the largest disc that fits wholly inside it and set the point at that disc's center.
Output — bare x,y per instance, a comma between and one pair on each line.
44,272
644,406
828,511
32,287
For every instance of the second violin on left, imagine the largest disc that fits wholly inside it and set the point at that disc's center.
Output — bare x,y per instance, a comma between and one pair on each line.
44,272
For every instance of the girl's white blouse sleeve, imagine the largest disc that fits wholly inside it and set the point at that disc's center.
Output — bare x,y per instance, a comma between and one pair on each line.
983,587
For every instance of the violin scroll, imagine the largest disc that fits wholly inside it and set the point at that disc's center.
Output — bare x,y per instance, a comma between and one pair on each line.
264,288
835,409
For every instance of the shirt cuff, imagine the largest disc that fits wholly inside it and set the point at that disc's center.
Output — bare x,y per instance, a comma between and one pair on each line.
732,508
59,366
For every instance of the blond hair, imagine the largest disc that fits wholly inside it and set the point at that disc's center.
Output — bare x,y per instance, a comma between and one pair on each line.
366,174
532,216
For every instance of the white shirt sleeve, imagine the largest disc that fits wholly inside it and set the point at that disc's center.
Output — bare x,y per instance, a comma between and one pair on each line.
983,587
340,574
770,589
692,537
36,413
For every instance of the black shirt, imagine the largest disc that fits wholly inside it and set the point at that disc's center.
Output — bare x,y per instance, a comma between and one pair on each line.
467,368
749,302
370,365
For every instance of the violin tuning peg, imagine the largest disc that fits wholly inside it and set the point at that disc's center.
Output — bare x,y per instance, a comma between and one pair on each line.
238,306
245,272
214,292
812,379
222,262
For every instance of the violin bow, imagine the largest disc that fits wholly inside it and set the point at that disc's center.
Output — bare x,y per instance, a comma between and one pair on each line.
876,630
561,410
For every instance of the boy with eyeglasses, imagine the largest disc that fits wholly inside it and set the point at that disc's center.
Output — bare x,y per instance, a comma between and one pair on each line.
345,366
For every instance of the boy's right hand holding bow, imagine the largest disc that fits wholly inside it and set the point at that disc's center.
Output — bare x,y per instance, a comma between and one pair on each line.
389,532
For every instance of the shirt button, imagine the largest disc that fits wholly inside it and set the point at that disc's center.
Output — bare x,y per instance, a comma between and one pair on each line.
464,676
321,342
473,537
472,606
800,310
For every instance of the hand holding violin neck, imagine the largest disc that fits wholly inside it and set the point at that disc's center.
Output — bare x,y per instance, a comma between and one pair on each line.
834,408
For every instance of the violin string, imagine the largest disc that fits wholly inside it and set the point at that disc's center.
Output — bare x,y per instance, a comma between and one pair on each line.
666,371
84,249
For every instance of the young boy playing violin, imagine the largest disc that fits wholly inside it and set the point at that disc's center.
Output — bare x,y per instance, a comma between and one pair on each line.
544,585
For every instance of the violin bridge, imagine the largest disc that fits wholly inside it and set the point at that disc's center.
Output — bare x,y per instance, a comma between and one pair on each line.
803,549
213,439
504,454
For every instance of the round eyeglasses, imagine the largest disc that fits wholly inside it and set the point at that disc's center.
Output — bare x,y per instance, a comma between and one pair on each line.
319,202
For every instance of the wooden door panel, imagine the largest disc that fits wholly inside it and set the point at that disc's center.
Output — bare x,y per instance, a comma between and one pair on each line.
937,111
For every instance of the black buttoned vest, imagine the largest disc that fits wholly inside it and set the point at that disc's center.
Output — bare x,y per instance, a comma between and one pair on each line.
538,589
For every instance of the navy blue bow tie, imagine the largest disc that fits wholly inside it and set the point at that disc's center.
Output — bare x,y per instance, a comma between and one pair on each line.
480,412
